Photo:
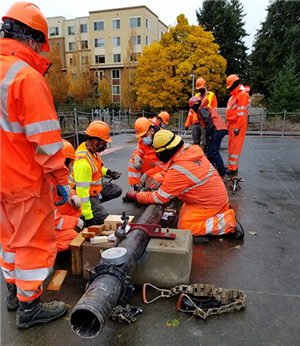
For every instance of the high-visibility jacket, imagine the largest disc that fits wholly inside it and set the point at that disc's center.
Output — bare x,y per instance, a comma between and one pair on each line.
154,121
191,177
31,148
151,165
212,102
88,170
31,144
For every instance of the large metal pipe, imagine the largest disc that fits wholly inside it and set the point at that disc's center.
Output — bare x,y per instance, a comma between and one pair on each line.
90,314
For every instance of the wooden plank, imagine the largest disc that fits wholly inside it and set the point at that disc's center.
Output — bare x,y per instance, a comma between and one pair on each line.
76,257
88,235
111,221
94,228
57,280
76,243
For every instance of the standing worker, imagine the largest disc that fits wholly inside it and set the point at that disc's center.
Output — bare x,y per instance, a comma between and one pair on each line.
31,151
198,131
237,120
189,176
88,171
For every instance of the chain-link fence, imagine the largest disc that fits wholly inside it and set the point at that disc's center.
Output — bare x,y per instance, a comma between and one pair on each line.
74,123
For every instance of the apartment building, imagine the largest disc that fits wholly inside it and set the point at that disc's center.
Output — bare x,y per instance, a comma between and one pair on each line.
104,38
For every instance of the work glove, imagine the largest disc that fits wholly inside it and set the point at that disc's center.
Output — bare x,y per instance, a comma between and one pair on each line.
65,192
137,162
131,195
75,201
186,128
79,226
89,222
143,178
236,131
114,175
157,181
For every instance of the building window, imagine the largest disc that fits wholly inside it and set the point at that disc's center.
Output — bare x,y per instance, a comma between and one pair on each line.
116,24
115,74
135,39
99,26
116,90
99,42
84,44
134,56
100,59
53,31
116,41
135,22
99,75
71,30
83,27
117,57
147,41
160,34
148,23
58,45
71,61
71,45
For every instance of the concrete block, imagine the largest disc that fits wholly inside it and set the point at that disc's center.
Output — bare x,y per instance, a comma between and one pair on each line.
110,223
166,262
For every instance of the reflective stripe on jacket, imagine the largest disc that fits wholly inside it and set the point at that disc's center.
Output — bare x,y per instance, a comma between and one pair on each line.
237,107
190,177
31,144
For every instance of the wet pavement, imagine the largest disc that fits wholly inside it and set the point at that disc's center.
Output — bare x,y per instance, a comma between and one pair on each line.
266,265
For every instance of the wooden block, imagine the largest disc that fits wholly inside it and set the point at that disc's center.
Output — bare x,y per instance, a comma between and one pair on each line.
76,262
88,235
111,221
57,280
76,243
95,228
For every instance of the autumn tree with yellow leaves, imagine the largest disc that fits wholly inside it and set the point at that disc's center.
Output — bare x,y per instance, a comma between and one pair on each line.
163,72
82,82
104,93
56,79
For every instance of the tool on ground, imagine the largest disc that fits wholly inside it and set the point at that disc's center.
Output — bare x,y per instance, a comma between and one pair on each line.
201,300
127,313
235,184
114,175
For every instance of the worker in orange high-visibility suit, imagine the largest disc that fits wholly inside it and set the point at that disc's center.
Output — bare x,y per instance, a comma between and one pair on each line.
67,216
143,162
237,120
189,176
31,151
161,120
198,131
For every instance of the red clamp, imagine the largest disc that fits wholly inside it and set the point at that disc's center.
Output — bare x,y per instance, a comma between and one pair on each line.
153,231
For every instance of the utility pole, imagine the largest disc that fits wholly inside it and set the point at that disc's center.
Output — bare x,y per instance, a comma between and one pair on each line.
193,75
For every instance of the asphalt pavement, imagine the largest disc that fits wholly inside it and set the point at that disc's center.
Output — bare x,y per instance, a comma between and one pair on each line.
266,265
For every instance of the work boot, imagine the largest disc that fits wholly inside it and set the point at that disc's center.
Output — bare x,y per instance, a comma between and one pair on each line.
12,302
239,231
231,172
34,312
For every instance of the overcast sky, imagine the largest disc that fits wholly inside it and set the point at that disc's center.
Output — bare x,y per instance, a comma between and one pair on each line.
166,10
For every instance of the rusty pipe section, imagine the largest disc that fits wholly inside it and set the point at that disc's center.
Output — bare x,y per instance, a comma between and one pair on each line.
90,314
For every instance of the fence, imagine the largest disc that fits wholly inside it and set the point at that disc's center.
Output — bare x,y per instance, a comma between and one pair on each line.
74,123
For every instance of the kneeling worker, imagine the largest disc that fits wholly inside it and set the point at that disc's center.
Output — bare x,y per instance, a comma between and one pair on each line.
189,176
88,171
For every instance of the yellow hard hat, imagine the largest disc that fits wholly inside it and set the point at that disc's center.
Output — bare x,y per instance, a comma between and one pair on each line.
165,140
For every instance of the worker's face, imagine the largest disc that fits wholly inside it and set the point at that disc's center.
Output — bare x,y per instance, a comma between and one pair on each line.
202,91
147,138
101,145
70,165
35,46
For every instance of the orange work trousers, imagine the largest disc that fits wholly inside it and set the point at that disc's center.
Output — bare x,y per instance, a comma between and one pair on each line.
235,145
28,245
206,222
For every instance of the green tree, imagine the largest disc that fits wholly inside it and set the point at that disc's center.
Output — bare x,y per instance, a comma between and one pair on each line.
224,18
286,84
276,40
104,93
56,79
163,72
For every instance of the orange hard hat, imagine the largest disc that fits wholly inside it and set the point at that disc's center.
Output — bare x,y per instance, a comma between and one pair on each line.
69,150
141,126
200,82
231,79
165,116
100,130
30,15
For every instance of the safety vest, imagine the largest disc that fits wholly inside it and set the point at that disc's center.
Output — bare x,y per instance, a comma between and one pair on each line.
219,123
96,164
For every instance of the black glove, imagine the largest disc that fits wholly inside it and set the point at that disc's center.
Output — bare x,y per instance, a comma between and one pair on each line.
236,131
89,222
113,175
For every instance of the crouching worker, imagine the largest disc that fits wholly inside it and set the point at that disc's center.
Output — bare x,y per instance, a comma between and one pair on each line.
189,176
144,162
67,216
88,171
